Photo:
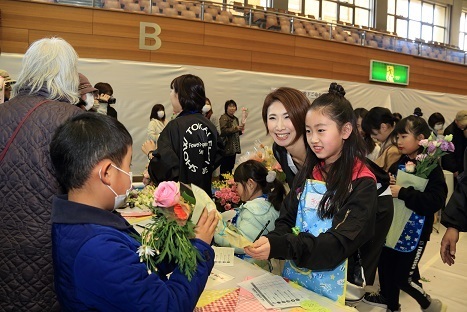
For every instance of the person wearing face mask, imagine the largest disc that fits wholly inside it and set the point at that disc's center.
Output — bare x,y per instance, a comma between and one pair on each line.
47,90
436,123
87,93
95,250
209,114
156,122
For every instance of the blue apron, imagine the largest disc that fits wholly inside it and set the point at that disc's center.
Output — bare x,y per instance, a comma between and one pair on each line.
329,283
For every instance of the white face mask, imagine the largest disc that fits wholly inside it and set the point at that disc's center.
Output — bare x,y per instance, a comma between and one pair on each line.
438,126
120,200
89,101
206,108
160,114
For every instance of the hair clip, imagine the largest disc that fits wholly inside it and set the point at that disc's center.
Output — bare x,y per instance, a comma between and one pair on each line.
271,176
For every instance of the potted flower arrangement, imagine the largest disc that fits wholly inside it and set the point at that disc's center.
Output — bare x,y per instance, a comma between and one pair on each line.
415,174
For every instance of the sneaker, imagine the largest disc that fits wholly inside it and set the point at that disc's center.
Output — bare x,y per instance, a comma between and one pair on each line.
436,306
375,299
398,310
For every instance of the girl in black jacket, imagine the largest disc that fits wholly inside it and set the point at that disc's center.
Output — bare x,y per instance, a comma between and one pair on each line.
343,213
399,264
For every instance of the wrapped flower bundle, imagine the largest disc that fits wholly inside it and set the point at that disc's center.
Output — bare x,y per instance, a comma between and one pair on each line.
168,235
433,150
264,154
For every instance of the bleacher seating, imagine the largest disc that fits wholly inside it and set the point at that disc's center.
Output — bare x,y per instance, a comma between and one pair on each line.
284,21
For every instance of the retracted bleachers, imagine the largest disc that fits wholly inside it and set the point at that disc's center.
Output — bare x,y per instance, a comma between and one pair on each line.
270,19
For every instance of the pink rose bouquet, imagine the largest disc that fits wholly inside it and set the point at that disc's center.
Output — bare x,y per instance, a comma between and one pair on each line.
168,234
167,194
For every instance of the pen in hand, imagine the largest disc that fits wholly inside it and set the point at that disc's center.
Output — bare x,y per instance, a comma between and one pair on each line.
262,230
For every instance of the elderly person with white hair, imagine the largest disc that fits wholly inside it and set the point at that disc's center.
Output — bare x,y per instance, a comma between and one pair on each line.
42,99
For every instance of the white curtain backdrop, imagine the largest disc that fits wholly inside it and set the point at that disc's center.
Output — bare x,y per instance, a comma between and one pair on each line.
138,86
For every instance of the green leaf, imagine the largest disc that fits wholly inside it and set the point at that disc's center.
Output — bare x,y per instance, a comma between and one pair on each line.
188,198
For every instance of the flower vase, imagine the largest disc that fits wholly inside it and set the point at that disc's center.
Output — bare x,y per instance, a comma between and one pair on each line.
406,226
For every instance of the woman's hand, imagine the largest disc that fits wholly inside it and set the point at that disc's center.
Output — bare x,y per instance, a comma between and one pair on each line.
148,146
260,249
395,190
206,226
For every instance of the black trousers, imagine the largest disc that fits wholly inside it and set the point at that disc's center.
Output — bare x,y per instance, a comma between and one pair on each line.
370,252
227,164
396,273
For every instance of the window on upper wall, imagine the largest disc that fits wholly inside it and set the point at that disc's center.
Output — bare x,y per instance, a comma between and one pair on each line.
263,3
418,19
463,31
356,12
295,6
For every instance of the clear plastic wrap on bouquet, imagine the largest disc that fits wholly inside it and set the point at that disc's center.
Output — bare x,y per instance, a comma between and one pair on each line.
264,154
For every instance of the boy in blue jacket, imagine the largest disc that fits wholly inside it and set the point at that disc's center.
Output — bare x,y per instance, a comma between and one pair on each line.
96,264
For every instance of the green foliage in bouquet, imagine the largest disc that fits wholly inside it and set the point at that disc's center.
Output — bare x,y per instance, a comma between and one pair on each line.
167,237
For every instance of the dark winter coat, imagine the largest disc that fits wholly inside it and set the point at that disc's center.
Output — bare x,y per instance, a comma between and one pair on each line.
455,213
454,162
27,185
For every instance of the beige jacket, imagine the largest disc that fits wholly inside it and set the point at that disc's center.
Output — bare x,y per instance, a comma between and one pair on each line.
388,155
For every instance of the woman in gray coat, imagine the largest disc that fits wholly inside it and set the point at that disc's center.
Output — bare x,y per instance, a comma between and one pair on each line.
47,88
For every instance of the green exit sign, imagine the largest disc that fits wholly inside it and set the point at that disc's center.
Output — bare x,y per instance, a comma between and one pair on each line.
389,72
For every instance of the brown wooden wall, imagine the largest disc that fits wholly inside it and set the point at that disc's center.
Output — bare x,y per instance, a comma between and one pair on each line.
98,33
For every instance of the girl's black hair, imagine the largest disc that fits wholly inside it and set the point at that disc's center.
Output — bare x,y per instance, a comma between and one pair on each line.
339,175
104,88
377,116
397,116
418,112
435,118
253,169
156,108
369,142
190,91
413,125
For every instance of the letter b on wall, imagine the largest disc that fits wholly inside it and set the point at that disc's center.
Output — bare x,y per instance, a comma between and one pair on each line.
143,35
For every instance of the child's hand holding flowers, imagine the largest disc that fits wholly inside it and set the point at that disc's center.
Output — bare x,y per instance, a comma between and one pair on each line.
168,235
433,150
207,225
